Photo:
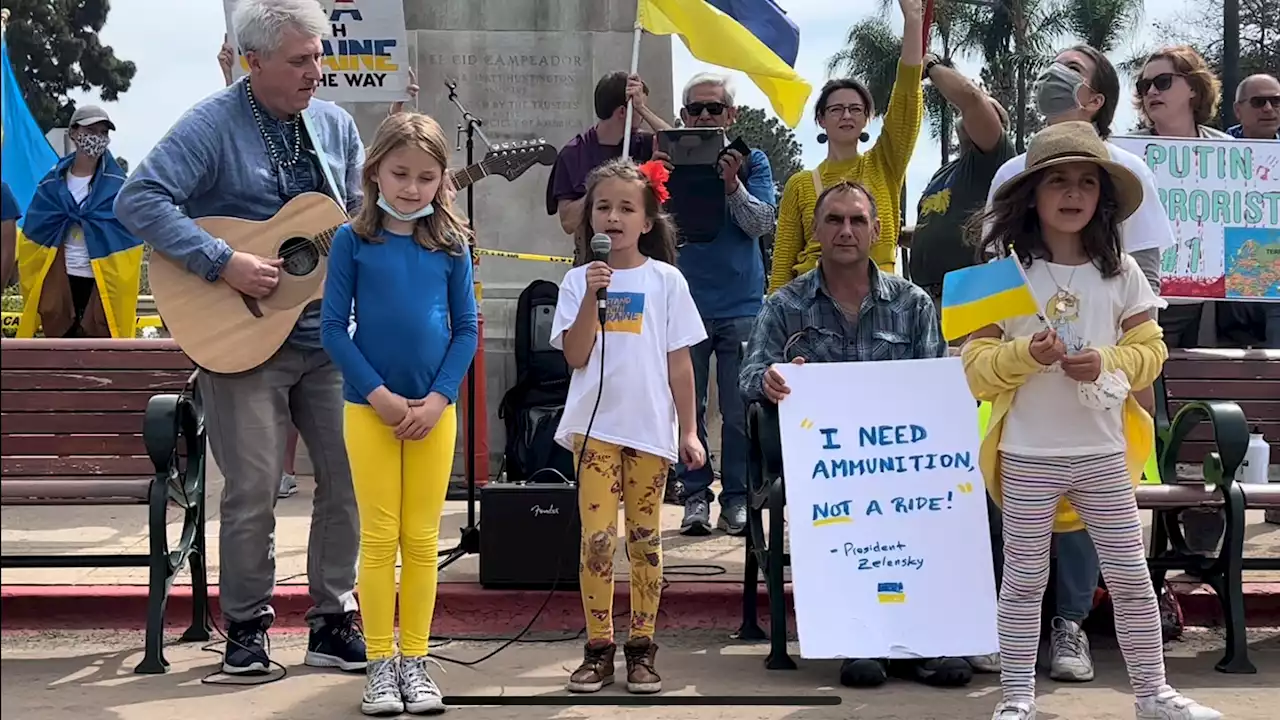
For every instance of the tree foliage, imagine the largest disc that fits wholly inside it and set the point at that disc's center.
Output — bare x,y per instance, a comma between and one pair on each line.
774,138
54,49
1200,26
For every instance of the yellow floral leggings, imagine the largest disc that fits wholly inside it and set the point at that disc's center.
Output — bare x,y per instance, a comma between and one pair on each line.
611,473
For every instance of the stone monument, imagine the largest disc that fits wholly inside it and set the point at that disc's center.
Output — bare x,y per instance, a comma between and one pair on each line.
528,71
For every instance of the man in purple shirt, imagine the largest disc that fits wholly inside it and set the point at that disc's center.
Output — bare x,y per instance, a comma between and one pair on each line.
567,185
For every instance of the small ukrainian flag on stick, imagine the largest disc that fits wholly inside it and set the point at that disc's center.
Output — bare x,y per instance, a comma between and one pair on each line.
982,295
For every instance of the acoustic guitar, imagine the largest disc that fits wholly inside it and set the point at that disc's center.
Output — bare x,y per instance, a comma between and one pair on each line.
225,331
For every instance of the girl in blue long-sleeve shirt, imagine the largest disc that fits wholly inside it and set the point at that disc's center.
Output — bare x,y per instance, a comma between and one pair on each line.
404,261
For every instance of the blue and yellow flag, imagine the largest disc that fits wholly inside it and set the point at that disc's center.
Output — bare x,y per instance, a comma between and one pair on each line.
114,253
27,154
753,36
982,295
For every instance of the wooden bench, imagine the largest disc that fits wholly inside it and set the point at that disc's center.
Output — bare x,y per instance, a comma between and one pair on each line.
1210,400
109,422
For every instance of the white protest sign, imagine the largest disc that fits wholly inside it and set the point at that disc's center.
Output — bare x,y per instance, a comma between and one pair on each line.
890,548
1223,198
366,53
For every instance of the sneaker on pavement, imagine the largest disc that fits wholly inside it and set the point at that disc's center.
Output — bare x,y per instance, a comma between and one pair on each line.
382,688
421,694
642,678
288,486
1014,711
985,664
596,669
863,673
336,642
733,517
1071,659
1169,704
247,648
697,517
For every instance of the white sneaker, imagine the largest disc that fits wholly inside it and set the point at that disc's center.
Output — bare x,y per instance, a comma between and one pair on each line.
382,688
421,694
1014,711
1072,661
1170,704
988,664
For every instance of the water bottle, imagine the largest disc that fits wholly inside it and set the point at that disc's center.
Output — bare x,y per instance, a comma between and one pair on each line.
1257,459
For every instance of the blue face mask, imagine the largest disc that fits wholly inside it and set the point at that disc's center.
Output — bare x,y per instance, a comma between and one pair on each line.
386,208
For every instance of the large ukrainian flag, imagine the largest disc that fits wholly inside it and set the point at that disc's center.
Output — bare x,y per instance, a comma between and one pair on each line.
26,153
753,36
982,295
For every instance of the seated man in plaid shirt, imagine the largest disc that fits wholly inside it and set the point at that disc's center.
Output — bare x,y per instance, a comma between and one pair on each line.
847,310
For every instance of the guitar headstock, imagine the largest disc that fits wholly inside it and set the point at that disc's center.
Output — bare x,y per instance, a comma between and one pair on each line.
513,159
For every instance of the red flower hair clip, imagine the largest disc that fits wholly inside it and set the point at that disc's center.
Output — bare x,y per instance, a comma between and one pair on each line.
658,175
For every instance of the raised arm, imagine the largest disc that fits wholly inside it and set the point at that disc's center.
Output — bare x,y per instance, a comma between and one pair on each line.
981,120
903,116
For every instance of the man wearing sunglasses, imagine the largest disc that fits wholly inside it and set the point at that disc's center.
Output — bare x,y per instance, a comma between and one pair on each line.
1258,108
726,278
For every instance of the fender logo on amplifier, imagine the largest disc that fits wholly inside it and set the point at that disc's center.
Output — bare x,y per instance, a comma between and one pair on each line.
530,536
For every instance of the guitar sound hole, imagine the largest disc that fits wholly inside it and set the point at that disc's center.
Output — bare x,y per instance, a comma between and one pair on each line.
301,256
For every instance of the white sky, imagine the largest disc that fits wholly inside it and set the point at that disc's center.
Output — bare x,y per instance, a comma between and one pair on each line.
177,67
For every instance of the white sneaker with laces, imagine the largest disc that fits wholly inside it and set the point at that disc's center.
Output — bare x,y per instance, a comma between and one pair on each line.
1169,704
382,688
1072,661
421,694
1014,711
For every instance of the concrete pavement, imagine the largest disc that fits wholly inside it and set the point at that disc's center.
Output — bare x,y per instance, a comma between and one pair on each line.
87,676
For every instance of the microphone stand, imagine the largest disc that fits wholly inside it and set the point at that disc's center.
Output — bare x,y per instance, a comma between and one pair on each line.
469,544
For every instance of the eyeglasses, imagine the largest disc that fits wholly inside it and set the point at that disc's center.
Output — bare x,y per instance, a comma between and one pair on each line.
695,109
1261,101
1163,82
839,110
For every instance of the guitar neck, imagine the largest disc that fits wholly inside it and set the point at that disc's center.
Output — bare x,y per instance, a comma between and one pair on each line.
468,175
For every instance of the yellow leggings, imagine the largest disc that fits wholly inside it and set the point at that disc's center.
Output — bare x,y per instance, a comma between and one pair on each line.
400,489
611,473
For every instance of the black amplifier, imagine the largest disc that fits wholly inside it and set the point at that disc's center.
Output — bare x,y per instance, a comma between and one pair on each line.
529,534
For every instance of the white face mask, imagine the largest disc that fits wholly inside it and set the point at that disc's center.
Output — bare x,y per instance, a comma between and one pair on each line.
1058,91
386,208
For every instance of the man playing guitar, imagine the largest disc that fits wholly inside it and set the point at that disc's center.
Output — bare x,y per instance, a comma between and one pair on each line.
244,152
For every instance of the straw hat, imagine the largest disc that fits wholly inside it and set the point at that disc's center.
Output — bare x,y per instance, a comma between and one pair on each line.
1072,142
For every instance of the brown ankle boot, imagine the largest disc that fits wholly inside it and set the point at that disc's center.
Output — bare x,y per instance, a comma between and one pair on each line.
596,669
641,677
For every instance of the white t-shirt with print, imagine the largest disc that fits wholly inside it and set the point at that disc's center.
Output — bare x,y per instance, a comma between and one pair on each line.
76,252
1047,417
1147,229
649,314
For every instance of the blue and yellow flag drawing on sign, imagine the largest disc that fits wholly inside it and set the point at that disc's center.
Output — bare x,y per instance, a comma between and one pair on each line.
982,295
753,36
27,154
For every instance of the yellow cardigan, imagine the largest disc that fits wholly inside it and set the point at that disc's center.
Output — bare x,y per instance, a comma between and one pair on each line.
882,170
997,368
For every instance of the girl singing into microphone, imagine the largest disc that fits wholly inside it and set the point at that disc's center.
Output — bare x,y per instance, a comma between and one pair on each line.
630,409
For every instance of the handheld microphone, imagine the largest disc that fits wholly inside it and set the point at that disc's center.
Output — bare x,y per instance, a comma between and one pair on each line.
601,245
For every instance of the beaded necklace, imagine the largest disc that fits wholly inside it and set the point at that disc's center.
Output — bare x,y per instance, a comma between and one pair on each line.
282,157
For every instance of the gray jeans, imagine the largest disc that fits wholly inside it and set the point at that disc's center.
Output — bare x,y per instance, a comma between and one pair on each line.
248,418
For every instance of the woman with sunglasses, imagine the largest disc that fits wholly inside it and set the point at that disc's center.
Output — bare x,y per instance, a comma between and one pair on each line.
843,109
1177,95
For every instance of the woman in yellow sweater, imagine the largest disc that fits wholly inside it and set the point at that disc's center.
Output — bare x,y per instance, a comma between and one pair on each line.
843,109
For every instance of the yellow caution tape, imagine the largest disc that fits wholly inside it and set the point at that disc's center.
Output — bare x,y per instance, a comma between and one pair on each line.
532,257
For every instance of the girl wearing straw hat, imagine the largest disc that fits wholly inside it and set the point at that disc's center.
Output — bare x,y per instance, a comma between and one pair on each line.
1067,440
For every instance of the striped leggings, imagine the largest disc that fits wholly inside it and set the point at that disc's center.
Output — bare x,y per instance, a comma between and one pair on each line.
1100,490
